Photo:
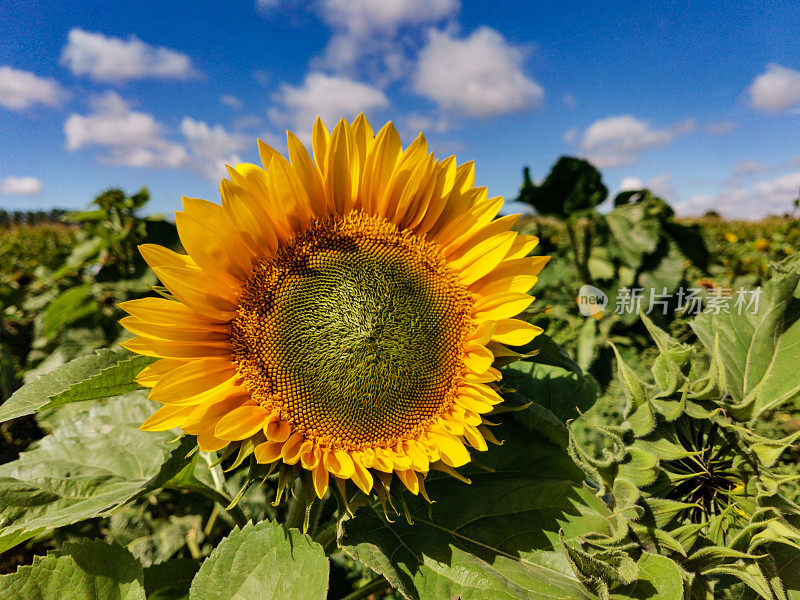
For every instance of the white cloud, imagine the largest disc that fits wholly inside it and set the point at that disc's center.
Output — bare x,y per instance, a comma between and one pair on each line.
629,184
415,123
569,100
481,75
749,167
212,147
111,59
265,6
130,138
775,89
720,127
770,196
20,90
366,33
661,185
327,96
618,141
231,100
20,186
570,135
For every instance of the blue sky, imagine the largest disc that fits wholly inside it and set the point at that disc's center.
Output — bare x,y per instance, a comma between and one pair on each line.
699,101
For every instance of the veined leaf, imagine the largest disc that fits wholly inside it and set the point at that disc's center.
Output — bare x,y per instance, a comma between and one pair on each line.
564,393
88,570
85,469
494,539
659,578
759,350
100,375
263,562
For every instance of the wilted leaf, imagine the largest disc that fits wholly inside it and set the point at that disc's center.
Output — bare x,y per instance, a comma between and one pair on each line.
263,562
86,468
100,375
88,570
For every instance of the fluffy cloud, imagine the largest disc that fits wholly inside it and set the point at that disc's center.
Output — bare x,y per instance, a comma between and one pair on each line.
618,141
366,32
331,97
661,185
775,89
212,148
20,90
20,186
481,75
137,139
130,138
230,100
769,196
113,59
720,127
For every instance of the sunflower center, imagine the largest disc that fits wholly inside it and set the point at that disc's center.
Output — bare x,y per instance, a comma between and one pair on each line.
354,331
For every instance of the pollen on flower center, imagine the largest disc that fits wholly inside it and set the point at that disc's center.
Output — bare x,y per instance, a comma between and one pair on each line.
354,332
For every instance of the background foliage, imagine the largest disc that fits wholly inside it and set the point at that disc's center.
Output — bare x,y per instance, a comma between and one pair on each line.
643,456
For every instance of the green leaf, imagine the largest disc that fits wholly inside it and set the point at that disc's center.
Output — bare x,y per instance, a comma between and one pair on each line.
170,580
263,562
760,351
659,578
68,307
562,392
496,538
88,570
91,377
86,468
635,233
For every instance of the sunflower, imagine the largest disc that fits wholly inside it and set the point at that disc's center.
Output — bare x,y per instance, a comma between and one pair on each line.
337,315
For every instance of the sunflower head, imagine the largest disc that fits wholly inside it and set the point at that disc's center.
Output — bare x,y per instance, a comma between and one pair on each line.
338,313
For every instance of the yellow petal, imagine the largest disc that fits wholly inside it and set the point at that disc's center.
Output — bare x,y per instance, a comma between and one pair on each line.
166,418
453,453
410,480
478,358
500,306
175,333
362,477
208,443
290,453
169,349
150,375
241,423
193,379
339,463
515,332
522,247
320,476
268,452
308,175
168,312
209,249
482,258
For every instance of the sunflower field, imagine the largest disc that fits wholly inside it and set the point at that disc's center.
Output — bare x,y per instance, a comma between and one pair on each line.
354,376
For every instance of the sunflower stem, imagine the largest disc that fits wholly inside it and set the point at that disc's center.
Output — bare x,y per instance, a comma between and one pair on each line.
373,587
326,537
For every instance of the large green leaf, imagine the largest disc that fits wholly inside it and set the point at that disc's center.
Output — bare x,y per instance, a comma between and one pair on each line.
263,562
564,393
92,377
659,578
86,468
87,570
494,539
68,307
760,350
635,233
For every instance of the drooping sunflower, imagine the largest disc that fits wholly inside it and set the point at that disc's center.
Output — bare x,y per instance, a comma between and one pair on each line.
338,314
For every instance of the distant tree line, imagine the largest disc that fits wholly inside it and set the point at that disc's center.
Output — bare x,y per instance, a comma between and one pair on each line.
30,217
